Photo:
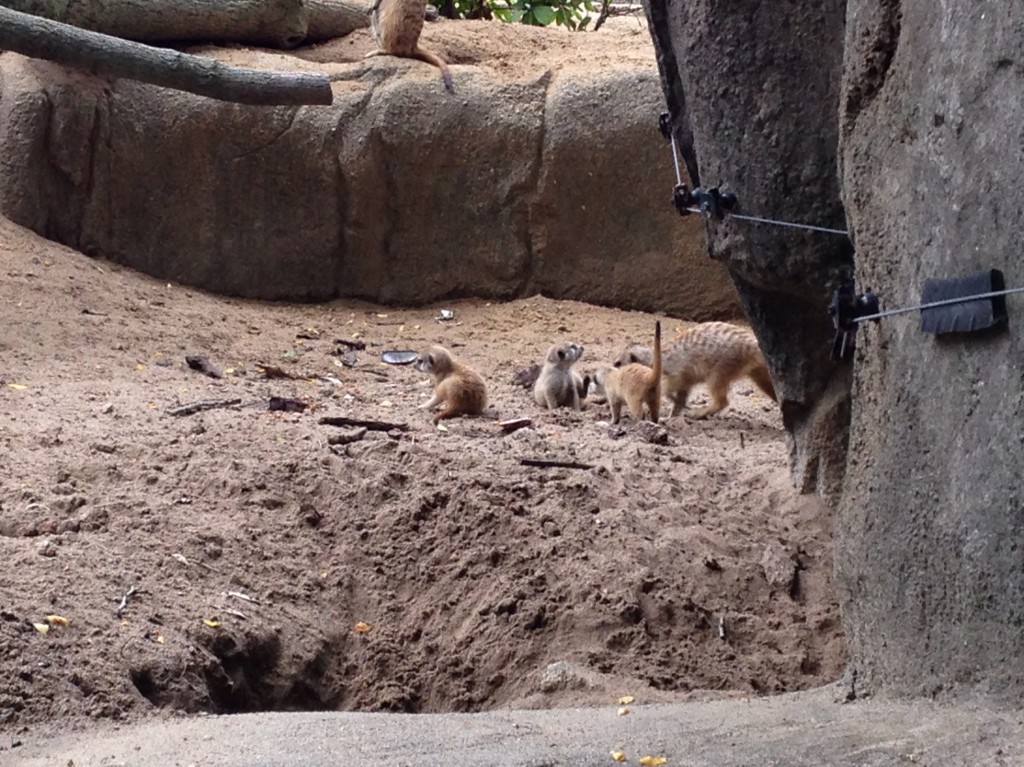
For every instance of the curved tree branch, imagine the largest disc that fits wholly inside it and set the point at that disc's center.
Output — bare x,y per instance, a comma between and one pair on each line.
113,57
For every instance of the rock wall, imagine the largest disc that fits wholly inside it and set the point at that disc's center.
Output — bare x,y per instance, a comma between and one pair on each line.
930,533
555,182
756,90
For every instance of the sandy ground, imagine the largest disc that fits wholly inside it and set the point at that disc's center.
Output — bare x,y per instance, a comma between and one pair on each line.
256,549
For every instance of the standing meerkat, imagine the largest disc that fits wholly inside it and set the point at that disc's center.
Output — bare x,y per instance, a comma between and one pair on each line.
715,353
558,385
456,386
635,384
396,27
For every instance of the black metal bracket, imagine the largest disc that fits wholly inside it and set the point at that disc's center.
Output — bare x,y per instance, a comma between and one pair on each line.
711,203
665,125
846,308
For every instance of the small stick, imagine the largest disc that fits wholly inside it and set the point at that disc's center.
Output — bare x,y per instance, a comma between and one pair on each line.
721,627
542,463
742,441
243,597
124,601
371,372
236,613
337,420
203,404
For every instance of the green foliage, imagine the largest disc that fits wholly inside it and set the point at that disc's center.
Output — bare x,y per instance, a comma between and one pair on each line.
572,14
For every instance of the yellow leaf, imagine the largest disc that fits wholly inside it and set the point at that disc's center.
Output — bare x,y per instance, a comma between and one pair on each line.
625,700
212,623
18,387
652,761
42,628
140,366
619,756
387,403
362,628
622,711
57,620
160,639
229,371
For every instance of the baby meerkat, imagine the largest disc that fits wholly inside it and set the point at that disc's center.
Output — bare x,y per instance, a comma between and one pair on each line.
456,386
396,27
558,385
715,353
635,384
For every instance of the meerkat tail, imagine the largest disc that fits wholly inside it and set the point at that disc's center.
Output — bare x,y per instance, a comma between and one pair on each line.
437,61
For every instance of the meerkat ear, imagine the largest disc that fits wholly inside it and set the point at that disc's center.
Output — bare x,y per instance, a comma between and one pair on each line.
561,354
430,359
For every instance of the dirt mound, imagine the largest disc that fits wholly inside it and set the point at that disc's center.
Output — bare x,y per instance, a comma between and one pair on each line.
257,549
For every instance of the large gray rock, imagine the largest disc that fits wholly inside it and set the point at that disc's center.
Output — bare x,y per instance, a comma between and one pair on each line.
555,181
930,535
756,88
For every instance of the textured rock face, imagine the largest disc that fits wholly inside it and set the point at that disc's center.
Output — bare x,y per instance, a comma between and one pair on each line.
931,527
758,88
400,193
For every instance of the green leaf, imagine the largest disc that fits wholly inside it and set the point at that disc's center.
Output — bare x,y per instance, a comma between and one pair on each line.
543,14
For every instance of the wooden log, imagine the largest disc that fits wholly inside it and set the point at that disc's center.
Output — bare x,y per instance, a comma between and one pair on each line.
273,23
332,18
112,57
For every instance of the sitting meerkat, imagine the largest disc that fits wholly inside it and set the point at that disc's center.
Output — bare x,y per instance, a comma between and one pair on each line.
634,384
456,386
715,353
558,385
396,26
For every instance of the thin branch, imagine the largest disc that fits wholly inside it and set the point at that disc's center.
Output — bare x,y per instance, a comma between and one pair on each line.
113,57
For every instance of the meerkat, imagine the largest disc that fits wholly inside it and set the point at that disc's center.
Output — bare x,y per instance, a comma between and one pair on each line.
456,386
396,27
558,385
715,353
634,384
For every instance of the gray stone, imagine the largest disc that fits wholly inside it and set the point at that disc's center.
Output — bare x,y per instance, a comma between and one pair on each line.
929,532
757,93
563,675
779,567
